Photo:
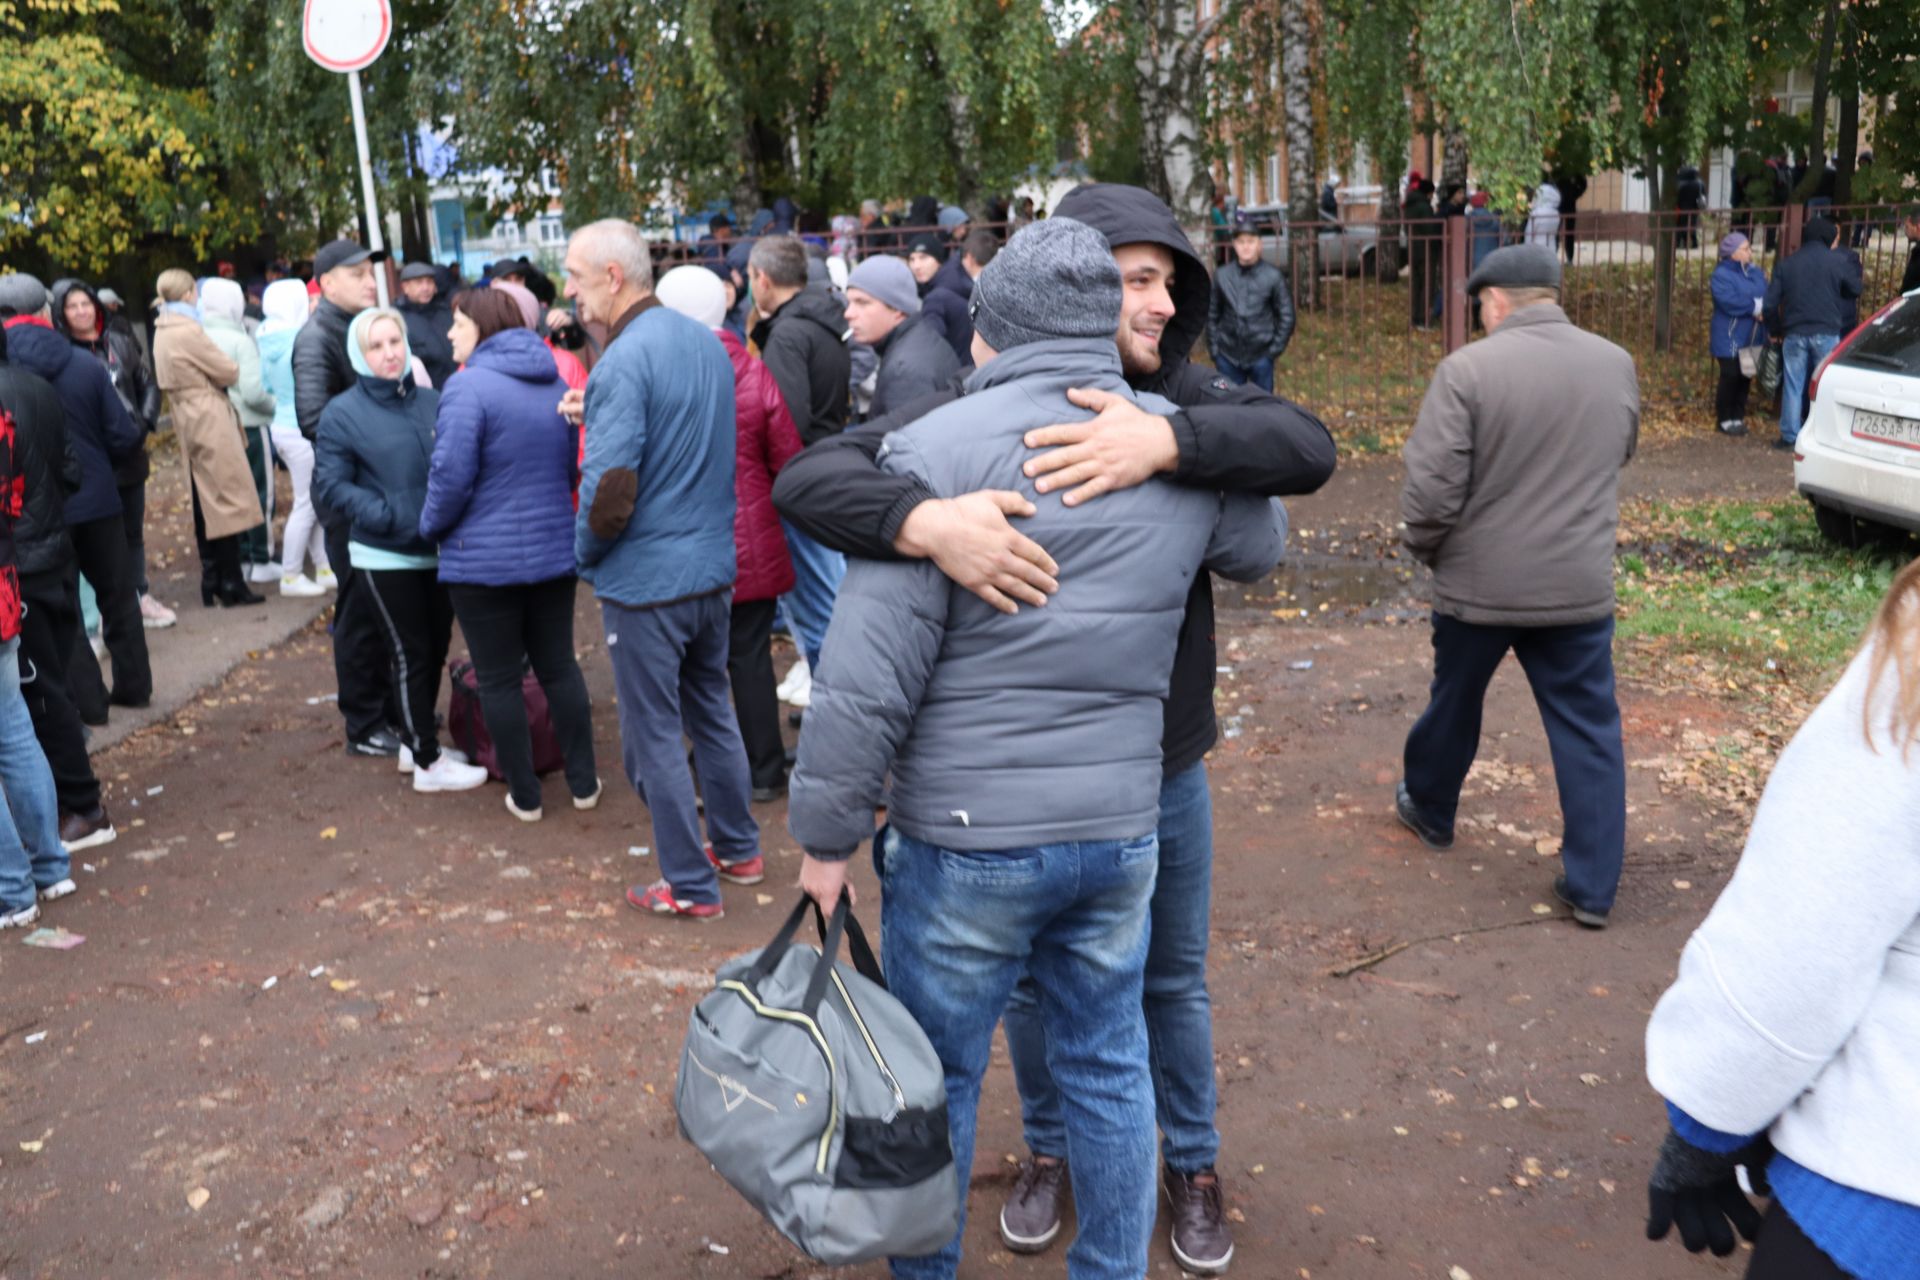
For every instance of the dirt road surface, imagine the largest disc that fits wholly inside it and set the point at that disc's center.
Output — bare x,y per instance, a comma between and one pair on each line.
323,1026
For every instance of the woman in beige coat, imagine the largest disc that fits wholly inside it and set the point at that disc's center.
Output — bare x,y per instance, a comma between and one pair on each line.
194,374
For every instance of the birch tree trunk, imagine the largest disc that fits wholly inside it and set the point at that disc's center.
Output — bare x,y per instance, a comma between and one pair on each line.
1453,156
1170,81
1303,167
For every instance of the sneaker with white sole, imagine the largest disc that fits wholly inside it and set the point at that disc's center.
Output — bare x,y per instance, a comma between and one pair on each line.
300,584
448,774
525,815
592,801
58,890
405,760
326,579
269,572
799,675
86,830
154,615
19,919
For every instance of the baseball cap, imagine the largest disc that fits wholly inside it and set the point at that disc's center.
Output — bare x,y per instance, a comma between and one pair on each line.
416,271
344,253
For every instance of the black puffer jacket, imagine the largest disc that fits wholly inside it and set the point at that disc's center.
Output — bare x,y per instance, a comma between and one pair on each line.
321,367
1811,291
429,336
804,346
915,360
1250,317
115,347
47,465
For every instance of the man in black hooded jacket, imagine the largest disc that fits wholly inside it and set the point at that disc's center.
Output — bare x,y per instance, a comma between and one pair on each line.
1224,437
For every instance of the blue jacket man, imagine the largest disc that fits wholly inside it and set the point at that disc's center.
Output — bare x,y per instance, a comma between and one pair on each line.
654,536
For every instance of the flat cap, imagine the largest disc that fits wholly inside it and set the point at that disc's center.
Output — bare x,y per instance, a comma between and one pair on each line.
23,293
1518,266
418,271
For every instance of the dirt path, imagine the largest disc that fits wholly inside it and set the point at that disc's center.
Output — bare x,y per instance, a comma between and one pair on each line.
479,1081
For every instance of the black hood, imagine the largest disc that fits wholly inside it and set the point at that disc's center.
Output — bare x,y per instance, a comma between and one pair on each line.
1134,215
818,306
58,302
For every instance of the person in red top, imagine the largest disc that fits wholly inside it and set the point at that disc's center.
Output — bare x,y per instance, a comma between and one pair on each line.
33,862
572,372
764,439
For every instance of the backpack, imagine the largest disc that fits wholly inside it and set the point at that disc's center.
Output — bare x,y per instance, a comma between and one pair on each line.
816,1095
467,725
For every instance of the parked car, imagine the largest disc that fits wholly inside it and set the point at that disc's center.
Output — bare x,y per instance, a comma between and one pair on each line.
1858,457
1346,248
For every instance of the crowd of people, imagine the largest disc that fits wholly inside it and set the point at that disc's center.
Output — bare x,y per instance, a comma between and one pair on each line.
775,432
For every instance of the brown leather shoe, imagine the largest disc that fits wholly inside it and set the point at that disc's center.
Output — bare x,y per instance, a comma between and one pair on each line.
1202,1244
1030,1219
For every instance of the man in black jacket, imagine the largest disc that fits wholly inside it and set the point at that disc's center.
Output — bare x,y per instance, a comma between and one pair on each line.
883,311
1911,280
1806,303
322,369
1224,437
1250,318
429,317
802,336
50,616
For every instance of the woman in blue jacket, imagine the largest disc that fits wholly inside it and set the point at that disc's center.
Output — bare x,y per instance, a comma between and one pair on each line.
499,502
370,464
1739,290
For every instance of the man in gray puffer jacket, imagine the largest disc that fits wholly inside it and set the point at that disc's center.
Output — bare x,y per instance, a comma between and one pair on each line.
1024,748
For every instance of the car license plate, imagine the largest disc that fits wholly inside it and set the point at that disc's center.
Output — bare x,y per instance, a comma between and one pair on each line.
1886,429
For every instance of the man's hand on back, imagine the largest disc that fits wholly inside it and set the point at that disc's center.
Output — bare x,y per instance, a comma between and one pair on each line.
1122,447
971,541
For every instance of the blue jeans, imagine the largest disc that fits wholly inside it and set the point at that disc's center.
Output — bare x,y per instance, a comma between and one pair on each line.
1259,373
1179,1013
961,927
1571,672
670,671
1799,357
809,606
31,855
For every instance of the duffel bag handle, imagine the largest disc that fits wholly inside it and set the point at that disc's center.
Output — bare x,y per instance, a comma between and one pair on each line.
770,955
832,929
859,950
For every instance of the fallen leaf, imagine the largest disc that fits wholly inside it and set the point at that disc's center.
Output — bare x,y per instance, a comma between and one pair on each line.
344,984
763,899
1459,1273
1547,846
1683,884
1589,1079
224,836
1542,909
197,1198
1509,1102
1258,1169
32,1148
328,833
1607,1185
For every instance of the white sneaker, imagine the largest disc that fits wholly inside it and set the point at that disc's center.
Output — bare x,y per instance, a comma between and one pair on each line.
21,918
448,774
54,892
592,801
802,697
326,579
300,584
446,753
155,615
269,572
525,815
797,675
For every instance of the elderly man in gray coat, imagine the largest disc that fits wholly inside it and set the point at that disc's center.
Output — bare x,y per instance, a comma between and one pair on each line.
1512,497
1023,748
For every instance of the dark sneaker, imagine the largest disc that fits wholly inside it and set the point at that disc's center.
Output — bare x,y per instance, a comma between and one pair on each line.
379,743
86,831
658,898
1410,816
767,795
1030,1219
1202,1244
1591,919
1733,427
746,871
1781,446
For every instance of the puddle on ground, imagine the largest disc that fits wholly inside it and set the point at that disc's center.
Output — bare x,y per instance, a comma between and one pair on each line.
1309,586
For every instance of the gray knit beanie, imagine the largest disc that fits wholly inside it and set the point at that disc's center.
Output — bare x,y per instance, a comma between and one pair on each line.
889,280
23,293
1055,279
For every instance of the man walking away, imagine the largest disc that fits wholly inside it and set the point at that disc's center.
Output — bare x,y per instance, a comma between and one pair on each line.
101,433
1251,320
1512,497
655,538
802,336
1807,305
883,311
1041,860
322,369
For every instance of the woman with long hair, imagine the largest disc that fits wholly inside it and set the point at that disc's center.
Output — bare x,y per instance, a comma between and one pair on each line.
195,374
500,504
1787,1045
285,308
371,459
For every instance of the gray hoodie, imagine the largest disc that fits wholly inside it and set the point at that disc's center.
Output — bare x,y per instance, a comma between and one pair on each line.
1041,727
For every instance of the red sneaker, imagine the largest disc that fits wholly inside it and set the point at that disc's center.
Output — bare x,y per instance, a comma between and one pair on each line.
658,898
746,871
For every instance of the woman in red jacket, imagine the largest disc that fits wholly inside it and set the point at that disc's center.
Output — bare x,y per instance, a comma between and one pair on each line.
764,439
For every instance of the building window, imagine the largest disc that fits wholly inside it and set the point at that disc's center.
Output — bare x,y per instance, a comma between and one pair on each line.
1273,176
552,231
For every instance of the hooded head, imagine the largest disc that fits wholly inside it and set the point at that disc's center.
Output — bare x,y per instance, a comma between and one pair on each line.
522,298
1155,335
694,292
65,289
222,299
285,306
357,336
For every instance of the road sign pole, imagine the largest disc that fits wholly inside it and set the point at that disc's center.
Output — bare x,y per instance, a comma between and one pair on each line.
374,239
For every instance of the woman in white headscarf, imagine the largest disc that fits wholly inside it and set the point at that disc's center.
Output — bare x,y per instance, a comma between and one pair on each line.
285,307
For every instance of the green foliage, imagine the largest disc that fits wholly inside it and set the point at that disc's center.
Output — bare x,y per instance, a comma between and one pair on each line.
1371,70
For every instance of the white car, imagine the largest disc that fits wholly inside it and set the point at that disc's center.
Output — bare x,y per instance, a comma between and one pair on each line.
1858,456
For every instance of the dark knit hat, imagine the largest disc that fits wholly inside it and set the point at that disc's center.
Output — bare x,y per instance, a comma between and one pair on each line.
1054,279
928,243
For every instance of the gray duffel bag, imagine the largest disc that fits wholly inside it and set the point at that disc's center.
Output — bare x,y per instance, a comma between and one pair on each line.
815,1094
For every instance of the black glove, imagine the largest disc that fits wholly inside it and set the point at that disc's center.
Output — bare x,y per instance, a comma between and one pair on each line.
1698,1192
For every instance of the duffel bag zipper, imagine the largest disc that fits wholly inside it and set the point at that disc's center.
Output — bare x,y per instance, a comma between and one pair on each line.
899,1096
833,1094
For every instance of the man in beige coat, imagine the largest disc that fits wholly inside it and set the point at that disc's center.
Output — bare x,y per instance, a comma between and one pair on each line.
1512,497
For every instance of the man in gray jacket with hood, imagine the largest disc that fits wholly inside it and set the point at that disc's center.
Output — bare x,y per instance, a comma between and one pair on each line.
1024,747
